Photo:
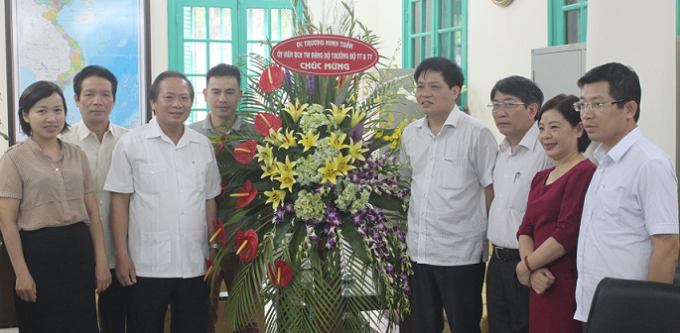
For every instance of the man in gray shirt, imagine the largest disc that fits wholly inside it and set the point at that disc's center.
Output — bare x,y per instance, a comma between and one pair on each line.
223,95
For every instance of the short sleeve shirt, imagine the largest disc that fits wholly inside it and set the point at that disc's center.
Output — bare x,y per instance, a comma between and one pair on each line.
51,192
512,175
447,219
169,184
99,156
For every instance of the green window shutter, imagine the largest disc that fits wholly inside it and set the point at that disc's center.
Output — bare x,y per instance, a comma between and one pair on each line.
567,21
203,33
435,28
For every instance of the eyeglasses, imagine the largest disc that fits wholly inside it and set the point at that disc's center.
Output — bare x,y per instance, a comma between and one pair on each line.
507,105
596,107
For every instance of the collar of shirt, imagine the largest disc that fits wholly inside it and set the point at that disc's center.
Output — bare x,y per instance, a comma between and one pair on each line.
155,131
208,127
452,120
617,152
528,141
36,148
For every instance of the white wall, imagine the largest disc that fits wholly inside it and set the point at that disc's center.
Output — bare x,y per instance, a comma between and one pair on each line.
643,37
500,40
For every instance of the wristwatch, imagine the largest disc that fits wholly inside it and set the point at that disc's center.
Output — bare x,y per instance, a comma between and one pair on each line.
214,246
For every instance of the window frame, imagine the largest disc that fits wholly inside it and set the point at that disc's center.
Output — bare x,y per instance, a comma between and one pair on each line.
239,35
433,33
557,23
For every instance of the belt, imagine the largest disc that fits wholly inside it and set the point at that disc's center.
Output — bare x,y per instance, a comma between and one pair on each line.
506,254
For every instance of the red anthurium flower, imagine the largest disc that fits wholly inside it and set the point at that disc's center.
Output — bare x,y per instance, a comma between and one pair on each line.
220,233
245,152
223,185
210,265
246,245
264,121
271,79
281,274
245,196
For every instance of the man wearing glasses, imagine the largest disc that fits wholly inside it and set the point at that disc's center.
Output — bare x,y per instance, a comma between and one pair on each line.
629,227
515,102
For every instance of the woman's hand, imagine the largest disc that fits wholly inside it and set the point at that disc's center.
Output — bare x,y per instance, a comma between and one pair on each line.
25,288
103,277
523,274
541,280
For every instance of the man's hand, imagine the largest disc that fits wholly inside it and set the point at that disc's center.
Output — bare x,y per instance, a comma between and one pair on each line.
125,271
541,280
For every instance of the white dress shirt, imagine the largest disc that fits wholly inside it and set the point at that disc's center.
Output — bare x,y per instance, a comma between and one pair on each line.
447,217
99,156
512,176
168,232
633,194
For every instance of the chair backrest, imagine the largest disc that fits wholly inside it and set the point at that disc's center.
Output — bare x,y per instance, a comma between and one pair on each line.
622,306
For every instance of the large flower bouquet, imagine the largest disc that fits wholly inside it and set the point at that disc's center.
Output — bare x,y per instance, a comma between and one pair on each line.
314,191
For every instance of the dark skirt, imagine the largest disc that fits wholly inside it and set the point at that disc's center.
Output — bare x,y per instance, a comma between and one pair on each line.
61,262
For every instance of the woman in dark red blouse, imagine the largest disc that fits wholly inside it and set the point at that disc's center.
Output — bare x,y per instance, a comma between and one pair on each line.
549,231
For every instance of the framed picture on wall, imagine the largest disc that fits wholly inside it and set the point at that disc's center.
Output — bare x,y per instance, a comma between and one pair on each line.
53,40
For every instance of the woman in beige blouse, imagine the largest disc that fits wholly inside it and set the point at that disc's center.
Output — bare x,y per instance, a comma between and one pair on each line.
50,221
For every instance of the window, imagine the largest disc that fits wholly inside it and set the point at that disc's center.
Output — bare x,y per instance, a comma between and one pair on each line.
204,33
567,21
435,28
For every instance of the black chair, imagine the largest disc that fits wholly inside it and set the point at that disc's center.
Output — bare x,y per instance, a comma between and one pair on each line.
622,306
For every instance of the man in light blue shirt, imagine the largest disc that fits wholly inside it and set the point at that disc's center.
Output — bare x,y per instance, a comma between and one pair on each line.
629,227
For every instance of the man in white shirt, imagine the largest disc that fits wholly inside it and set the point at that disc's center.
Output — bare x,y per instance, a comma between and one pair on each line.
95,95
223,95
449,157
515,102
629,227
163,181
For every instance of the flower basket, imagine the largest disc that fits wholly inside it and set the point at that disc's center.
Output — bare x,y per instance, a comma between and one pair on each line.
315,193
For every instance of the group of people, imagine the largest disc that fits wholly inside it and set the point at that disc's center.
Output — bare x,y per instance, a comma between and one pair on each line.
558,223
84,203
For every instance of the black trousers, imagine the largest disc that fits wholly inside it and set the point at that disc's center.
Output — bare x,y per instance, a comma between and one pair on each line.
61,262
111,306
148,300
457,289
507,300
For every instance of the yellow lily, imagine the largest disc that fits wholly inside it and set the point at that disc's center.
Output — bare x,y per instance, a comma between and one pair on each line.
288,140
355,150
270,169
274,137
342,164
264,153
339,113
286,167
308,140
330,172
357,117
337,141
275,197
287,180
296,110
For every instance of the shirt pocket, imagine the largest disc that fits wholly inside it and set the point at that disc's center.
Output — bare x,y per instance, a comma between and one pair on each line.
156,248
607,209
153,177
199,171
520,194
452,174
197,243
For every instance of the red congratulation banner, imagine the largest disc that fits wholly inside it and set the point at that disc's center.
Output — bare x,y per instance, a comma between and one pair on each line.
325,55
